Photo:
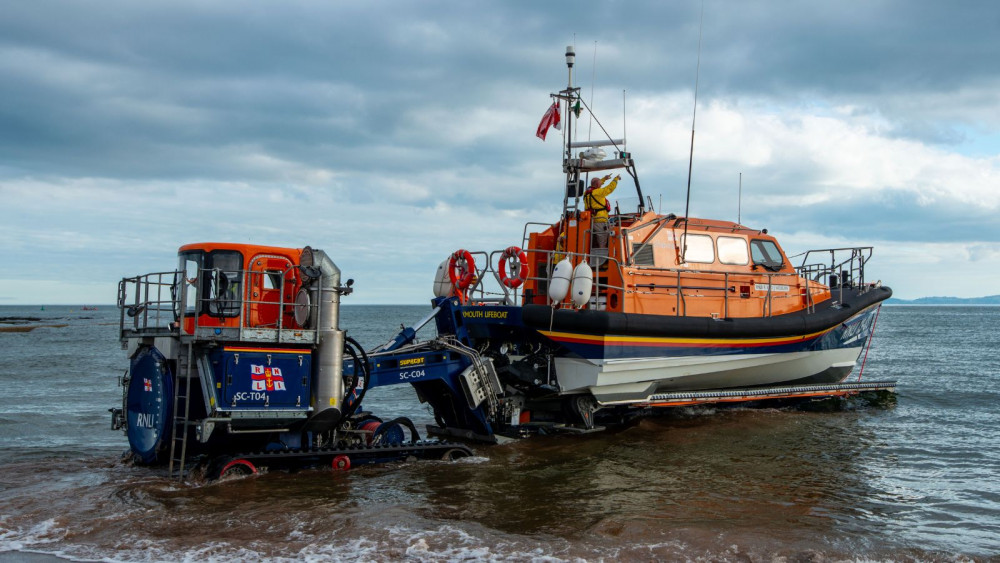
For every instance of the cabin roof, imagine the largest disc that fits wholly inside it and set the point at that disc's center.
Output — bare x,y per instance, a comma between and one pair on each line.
248,250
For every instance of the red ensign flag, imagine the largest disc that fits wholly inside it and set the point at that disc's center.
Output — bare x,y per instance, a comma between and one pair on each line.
550,119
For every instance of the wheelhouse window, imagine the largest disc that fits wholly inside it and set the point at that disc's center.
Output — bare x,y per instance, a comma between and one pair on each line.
700,248
765,253
733,251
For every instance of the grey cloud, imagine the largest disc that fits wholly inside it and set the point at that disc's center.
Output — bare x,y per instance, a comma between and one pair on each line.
115,90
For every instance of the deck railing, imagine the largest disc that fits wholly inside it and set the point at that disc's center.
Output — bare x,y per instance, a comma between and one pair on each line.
841,268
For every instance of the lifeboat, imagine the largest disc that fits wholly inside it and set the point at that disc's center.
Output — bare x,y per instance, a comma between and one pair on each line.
620,304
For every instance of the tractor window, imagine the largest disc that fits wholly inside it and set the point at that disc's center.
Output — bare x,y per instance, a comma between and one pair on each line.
191,269
765,253
186,282
272,279
224,284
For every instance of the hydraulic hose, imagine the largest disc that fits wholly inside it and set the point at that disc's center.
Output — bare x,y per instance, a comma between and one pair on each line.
353,348
385,426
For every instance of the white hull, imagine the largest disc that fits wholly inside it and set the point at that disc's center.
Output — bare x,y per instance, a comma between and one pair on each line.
636,378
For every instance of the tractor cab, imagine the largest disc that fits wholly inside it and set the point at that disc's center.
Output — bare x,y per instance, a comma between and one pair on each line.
239,285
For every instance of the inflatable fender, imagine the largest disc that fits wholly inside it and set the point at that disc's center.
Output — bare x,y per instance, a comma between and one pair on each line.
559,283
442,281
583,284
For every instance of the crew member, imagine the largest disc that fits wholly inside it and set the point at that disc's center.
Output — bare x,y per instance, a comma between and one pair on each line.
596,200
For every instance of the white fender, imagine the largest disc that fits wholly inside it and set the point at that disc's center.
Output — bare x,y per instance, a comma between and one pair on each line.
559,283
442,283
583,284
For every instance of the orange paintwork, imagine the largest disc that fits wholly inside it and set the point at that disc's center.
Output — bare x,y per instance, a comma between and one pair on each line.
267,272
706,289
246,249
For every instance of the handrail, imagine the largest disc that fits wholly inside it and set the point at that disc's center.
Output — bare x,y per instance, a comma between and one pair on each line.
157,303
481,293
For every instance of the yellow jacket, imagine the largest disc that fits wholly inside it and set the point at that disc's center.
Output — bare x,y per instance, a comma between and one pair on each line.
597,200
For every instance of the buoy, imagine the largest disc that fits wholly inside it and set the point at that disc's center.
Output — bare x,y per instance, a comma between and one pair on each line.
442,282
583,284
461,269
518,273
559,284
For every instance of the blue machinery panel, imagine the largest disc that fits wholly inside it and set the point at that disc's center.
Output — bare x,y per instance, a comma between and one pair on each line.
256,378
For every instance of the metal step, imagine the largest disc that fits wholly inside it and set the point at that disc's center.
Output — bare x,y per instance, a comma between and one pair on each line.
685,398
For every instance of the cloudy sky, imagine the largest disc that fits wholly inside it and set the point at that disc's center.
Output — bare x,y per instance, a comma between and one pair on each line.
391,133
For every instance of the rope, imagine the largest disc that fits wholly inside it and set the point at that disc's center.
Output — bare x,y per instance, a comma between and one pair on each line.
870,338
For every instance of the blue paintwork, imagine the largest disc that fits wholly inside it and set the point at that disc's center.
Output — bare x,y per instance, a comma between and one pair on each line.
429,370
255,380
148,404
852,333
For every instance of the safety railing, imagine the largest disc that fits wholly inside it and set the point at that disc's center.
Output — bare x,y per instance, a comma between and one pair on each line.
148,304
838,268
687,283
218,305
777,292
488,286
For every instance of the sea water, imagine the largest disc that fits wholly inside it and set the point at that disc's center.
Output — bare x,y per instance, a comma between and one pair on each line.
914,478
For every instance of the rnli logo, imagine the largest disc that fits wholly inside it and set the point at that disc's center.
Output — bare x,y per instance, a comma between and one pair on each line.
266,378
144,420
411,362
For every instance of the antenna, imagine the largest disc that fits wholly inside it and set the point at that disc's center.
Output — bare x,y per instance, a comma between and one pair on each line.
694,114
593,78
570,59
624,135
568,95
739,200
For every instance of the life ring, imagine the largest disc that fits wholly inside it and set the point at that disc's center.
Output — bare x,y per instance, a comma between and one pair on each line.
461,276
513,282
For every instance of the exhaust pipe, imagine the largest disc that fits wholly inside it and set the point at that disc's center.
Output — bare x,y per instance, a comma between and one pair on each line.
328,392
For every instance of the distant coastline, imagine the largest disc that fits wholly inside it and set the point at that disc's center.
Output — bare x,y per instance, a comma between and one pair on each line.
988,300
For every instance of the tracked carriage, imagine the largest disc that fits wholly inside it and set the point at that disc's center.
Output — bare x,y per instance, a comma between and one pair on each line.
237,360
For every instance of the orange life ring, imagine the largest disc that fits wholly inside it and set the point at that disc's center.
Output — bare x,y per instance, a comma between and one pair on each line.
522,267
461,276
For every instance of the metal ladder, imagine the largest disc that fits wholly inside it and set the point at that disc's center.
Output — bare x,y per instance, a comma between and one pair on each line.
182,410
